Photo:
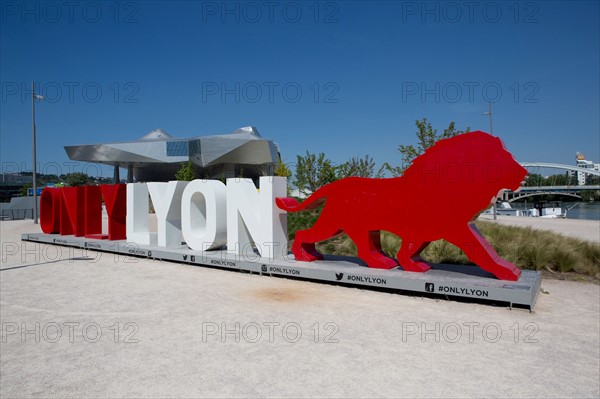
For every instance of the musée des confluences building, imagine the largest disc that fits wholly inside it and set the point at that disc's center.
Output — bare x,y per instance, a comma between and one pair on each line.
157,156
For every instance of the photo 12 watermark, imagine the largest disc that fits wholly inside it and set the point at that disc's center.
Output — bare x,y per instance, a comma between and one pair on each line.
290,332
40,253
71,332
469,332
127,92
55,171
469,92
67,249
270,92
453,12
71,12
271,12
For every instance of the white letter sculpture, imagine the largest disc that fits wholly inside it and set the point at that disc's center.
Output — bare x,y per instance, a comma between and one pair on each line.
253,217
166,198
203,214
137,215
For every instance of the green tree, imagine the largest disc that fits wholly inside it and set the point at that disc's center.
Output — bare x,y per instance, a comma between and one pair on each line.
186,172
590,195
557,180
24,189
282,170
76,179
535,180
591,180
313,171
361,167
427,136
573,179
395,171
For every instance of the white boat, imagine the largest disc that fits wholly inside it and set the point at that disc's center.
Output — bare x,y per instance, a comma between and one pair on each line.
547,210
507,210
550,210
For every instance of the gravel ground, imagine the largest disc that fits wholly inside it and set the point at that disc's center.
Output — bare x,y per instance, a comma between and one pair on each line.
143,328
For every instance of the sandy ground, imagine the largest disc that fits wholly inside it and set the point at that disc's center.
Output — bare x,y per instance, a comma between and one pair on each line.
141,328
584,229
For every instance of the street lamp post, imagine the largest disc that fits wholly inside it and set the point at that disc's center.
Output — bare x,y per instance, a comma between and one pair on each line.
34,166
492,132
490,114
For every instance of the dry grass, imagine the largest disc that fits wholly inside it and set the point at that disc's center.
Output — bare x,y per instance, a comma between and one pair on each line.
525,247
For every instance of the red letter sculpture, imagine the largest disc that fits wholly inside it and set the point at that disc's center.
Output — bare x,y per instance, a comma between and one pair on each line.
115,198
74,206
93,212
78,211
438,197
50,205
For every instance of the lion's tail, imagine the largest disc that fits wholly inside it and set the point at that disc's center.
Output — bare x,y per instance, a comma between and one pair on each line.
313,201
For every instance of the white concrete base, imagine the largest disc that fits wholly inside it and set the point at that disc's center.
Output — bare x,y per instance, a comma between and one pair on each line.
462,281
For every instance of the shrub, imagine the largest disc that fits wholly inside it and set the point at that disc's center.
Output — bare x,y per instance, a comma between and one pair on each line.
525,247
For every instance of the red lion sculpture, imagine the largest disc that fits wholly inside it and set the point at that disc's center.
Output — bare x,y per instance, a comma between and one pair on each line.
438,197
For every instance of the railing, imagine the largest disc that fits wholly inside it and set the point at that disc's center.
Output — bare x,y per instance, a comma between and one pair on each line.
587,171
559,188
16,214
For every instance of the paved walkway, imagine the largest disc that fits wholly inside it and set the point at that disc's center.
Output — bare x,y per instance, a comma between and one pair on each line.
108,326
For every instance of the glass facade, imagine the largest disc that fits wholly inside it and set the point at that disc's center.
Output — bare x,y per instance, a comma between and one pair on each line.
177,148
194,147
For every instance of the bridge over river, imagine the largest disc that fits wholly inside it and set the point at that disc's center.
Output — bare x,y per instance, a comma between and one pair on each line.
568,191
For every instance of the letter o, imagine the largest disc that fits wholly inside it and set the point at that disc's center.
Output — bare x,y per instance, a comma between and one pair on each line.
457,12
449,175
49,95
258,92
96,14
486,95
498,332
86,95
448,86
203,214
492,172
285,92
257,335
457,333
497,12
297,14
257,12
296,327
57,336
98,333
57,12
50,202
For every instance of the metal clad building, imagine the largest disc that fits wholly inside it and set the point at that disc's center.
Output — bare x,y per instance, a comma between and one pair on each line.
157,156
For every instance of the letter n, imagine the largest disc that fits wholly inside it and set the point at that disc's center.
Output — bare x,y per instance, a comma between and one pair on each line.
252,216
74,210
93,211
115,198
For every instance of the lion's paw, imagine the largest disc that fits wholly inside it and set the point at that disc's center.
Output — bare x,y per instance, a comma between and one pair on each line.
412,266
307,257
381,262
306,253
508,273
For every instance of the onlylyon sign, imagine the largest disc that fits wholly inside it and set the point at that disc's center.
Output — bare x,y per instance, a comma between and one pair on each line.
208,214
470,168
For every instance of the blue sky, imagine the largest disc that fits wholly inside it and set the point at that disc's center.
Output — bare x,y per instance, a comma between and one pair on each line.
344,78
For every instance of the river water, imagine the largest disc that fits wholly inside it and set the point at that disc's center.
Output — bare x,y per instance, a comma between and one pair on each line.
583,210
